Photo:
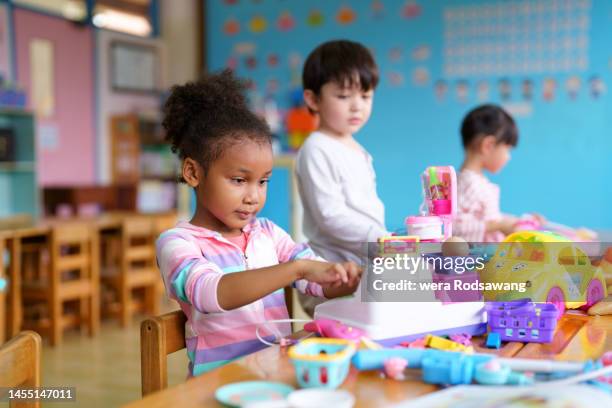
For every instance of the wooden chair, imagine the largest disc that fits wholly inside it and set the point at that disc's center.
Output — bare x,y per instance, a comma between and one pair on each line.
16,221
159,336
137,270
163,222
20,364
71,276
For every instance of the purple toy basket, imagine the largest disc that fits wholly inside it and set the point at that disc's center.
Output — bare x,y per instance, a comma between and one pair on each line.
521,320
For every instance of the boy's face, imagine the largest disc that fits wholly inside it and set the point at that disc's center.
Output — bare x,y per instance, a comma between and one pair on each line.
342,110
234,189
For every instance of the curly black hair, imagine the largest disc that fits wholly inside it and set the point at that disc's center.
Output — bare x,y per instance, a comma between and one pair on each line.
205,117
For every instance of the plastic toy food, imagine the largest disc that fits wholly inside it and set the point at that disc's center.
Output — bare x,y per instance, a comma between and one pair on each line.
333,329
455,246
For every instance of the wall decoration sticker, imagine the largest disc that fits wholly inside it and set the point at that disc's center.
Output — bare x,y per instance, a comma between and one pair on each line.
315,18
244,48
440,89
421,53
377,9
572,86
395,78
272,60
462,90
420,76
504,88
285,21
395,54
527,89
482,90
258,24
250,62
346,15
549,87
231,26
411,9
597,87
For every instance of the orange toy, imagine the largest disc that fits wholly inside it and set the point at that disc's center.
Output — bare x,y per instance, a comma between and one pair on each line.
300,123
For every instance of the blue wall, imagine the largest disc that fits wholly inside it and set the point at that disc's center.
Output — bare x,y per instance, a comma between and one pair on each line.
562,165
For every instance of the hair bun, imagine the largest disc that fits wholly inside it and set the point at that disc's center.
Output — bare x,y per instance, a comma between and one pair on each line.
212,96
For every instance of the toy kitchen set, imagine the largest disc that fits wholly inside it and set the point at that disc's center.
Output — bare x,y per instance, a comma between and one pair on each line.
392,322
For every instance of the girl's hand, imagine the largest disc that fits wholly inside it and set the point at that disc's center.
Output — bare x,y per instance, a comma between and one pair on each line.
337,288
507,225
353,272
329,274
539,218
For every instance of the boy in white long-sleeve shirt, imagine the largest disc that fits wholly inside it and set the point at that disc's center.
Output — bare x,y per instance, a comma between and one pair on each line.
336,179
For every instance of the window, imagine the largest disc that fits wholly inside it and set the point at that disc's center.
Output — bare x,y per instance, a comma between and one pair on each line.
75,10
127,16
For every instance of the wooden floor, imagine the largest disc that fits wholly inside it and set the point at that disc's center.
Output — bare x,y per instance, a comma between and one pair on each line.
105,369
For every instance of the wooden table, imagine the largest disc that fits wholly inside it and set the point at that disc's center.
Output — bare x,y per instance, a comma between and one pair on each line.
578,338
42,230
104,223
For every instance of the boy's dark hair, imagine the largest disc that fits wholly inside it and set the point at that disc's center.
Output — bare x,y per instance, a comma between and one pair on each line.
341,61
205,117
489,120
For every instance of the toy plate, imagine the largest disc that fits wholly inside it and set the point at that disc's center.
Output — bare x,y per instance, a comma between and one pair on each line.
248,392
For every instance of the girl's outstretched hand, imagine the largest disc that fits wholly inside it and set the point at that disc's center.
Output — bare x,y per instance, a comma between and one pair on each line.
330,274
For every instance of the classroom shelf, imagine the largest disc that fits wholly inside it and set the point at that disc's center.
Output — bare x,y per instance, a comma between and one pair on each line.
140,156
18,180
17,166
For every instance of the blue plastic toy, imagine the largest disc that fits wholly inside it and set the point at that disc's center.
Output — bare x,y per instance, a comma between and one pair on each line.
448,367
494,373
458,369
322,362
374,359
493,340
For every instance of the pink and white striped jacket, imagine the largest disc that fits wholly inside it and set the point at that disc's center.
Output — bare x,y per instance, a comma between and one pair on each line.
478,202
193,259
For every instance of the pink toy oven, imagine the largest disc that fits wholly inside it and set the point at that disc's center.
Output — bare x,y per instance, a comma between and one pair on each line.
439,205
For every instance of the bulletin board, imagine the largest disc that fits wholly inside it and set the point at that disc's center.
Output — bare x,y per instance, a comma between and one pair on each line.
546,61
134,67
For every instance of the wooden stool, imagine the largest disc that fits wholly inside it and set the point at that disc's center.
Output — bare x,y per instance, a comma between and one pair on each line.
72,275
20,365
137,269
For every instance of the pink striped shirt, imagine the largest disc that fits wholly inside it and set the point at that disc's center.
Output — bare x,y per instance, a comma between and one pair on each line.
478,202
193,259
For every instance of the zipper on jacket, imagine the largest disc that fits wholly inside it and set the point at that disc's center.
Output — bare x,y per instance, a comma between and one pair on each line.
243,253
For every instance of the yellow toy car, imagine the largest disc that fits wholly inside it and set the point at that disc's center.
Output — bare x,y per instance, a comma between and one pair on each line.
553,269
